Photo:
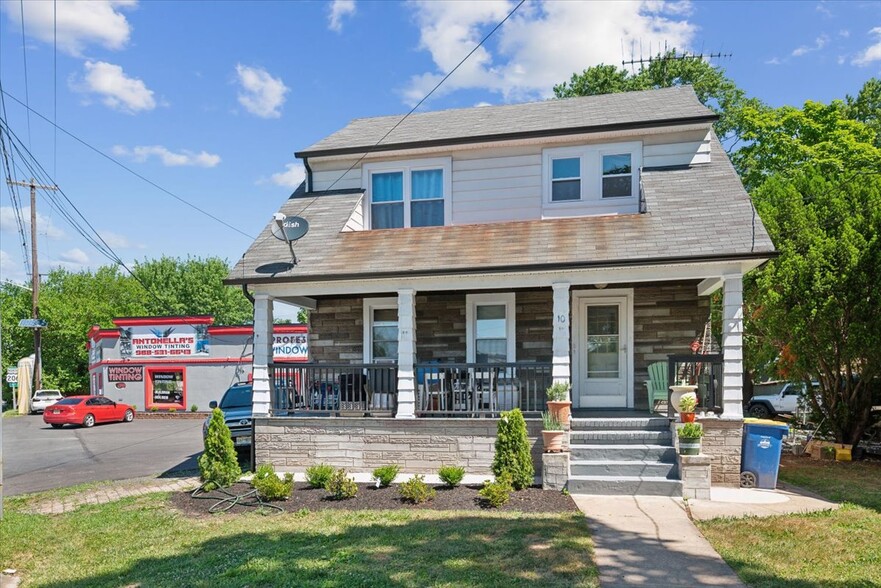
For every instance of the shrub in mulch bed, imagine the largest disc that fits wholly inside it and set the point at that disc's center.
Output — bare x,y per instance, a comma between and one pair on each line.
369,497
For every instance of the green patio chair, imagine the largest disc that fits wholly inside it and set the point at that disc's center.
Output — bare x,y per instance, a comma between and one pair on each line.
657,385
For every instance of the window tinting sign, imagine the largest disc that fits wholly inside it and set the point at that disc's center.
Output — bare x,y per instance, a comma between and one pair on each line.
168,387
125,373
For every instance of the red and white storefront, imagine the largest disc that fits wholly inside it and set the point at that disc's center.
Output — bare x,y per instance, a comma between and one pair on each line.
179,362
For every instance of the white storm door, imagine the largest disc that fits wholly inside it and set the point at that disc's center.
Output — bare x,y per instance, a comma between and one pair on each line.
603,353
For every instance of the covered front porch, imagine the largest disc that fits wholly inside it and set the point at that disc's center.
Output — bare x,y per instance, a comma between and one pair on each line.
455,348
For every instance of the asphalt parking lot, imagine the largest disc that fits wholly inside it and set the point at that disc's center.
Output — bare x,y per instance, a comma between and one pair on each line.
37,457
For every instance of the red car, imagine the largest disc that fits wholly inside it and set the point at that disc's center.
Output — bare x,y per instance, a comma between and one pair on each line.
86,411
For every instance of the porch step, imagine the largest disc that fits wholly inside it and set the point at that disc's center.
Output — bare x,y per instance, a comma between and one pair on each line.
621,437
620,424
629,452
624,485
618,469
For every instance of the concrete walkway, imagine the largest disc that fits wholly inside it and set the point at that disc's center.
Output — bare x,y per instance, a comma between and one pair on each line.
109,492
650,540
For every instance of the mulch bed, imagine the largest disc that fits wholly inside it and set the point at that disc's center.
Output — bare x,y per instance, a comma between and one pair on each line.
529,500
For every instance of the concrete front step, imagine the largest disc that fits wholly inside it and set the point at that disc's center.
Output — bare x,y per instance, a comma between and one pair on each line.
620,424
629,452
653,469
624,485
619,437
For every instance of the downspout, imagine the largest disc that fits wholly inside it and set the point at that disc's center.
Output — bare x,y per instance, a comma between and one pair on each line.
247,294
308,175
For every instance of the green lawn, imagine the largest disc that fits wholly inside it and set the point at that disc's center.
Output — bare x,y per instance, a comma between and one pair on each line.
838,549
142,542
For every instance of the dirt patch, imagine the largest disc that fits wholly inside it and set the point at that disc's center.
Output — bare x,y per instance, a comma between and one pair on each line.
529,500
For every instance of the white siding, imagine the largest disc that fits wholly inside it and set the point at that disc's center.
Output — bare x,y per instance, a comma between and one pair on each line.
497,185
356,220
677,149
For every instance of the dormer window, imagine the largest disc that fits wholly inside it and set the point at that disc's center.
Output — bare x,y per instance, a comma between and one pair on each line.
408,193
617,176
600,178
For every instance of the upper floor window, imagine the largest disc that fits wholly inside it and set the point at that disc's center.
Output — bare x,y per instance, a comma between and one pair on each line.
587,175
617,175
408,194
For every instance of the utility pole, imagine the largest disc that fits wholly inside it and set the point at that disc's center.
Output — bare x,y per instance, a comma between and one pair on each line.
35,278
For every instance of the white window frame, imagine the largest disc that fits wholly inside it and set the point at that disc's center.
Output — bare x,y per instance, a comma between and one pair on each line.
371,304
580,179
406,167
472,301
591,173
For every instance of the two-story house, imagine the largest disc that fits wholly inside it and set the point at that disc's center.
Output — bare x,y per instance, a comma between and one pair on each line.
459,261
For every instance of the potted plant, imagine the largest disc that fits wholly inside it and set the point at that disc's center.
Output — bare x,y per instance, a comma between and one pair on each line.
690,438
687,404
558,402
552,433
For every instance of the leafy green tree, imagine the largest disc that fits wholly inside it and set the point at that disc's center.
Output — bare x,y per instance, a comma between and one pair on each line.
866,107
783,140
193,286
818,301
714,89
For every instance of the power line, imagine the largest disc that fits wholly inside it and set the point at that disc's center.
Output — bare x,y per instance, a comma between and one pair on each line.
412,110
130,170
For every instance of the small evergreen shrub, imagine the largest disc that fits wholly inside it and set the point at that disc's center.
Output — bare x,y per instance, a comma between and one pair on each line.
194,408
269,486
218,464
416,490
340,486
154,409
318,476
134,407
385,475
558,392
451,475
512,455
496,493
172,410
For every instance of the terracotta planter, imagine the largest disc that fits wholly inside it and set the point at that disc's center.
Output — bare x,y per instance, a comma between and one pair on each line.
553,441
561,409
686,417
689,446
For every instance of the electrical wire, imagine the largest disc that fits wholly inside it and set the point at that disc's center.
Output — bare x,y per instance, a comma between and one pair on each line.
130,170
24,55
9,165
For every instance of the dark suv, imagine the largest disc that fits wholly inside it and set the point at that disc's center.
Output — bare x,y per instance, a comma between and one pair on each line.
236,405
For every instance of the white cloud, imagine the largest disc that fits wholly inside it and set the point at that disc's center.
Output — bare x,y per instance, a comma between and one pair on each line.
79,22
168,158
774,61
117,90
260,94
11,270
819,43
338,10
872,52
293,175
541,45
44,223
75,256
117,241
482,104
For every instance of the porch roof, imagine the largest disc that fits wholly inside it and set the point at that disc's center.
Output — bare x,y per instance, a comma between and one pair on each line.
695,213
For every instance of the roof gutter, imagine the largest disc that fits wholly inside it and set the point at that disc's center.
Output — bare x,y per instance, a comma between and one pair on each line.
543,267
308,174
706,118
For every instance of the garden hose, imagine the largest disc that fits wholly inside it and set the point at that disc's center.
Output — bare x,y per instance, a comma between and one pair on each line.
227,500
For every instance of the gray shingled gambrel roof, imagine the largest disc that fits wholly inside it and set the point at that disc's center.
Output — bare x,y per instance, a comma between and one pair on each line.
628,109
700,212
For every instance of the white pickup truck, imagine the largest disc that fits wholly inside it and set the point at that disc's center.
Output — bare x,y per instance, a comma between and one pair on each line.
784,402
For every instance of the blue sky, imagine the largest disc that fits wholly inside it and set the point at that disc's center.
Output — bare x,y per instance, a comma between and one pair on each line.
210,100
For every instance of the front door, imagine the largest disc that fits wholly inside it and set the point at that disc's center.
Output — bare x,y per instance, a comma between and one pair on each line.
602,361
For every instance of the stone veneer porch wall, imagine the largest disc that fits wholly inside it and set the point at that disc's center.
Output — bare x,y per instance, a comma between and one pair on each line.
361,444
723,443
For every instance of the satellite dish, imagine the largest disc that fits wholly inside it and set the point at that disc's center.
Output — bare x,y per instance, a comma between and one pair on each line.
273,268
289,228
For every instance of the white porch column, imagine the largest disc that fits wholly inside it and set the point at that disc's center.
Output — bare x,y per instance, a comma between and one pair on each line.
263,385
406,354
562,360
732,347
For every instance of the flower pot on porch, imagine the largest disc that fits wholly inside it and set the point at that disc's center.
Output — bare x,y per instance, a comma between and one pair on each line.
689,446
561,409
686,417
553,441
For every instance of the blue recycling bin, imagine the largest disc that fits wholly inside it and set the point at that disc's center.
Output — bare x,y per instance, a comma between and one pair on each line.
760,459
